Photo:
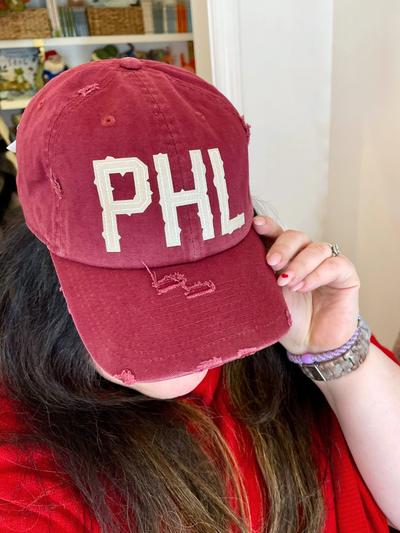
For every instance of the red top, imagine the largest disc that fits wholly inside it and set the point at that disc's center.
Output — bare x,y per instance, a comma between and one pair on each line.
23,508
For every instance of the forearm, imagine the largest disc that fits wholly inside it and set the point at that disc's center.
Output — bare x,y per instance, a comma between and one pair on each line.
367,405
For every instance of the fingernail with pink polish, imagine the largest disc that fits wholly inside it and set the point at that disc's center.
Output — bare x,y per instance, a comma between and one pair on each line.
298,286
274,259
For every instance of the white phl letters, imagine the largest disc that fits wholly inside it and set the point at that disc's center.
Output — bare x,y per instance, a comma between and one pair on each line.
169,200
111,208
228,226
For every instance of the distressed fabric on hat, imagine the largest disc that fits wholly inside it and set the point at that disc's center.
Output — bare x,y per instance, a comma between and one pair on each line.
135,175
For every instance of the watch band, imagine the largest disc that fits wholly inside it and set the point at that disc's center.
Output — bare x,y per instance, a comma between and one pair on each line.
343,364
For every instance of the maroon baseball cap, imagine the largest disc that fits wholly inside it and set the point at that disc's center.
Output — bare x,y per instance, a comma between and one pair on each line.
135,175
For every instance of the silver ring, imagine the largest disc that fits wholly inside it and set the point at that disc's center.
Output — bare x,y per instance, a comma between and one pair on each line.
334,248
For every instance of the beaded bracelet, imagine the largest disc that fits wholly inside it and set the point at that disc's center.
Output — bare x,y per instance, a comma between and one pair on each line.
310,358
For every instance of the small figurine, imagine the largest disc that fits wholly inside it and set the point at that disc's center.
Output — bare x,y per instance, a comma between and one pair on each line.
191,67
128,53
108,52
168,57
22,84
53,65
163,55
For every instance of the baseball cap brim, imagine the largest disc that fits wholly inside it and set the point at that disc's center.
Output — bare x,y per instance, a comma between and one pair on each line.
137,333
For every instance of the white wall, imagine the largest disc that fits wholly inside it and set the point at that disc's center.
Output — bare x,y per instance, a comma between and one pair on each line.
286,49
364,175
319,82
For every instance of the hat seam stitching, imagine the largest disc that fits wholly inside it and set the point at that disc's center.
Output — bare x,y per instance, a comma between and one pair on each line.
176,152
178,304
78,100
73,104
172,266
198,322
177,75
51,127
210,343
214,333
216,97
39,235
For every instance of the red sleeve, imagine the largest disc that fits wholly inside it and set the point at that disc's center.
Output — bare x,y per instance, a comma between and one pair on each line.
385,350
36,497
35,494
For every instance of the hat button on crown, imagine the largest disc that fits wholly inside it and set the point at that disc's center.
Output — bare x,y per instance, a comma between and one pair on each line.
130,63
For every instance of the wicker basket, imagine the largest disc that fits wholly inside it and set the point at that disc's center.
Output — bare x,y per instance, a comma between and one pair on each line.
28,24
115,20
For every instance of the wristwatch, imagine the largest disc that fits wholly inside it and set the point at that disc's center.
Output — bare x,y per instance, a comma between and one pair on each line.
343,364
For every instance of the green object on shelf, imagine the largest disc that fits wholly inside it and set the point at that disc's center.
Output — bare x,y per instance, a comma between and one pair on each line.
15,5
108,52
66,21
39,82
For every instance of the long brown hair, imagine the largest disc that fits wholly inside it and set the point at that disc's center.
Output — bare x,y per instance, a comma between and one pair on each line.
118,445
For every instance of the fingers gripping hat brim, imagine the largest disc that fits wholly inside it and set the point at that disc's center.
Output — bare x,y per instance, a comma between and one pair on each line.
155,324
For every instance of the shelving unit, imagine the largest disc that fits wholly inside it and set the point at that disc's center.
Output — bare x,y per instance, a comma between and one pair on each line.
106,39
21,103
200,38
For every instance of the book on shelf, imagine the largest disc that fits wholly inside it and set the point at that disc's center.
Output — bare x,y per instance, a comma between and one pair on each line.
181,18
80,21
67,21
73,21
170,19
168,16
189,17
18,71
147,14
159,16
54,17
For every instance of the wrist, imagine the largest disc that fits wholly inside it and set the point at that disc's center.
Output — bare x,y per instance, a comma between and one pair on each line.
332,365
340,393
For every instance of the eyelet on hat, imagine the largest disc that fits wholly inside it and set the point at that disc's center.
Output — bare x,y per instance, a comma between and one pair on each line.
130,63
108,121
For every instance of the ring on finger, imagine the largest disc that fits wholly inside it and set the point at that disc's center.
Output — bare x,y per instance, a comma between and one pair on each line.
334,248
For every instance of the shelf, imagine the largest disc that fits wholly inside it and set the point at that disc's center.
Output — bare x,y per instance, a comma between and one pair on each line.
93,40
106,39
14,104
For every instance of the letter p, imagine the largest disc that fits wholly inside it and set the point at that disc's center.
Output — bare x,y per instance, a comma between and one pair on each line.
111,208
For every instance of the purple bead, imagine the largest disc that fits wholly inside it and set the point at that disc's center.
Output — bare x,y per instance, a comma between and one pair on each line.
307,358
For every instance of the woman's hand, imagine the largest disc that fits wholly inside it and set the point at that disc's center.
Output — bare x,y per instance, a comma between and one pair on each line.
321,291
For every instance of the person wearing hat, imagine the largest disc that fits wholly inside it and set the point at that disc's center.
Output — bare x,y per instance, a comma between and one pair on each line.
169,361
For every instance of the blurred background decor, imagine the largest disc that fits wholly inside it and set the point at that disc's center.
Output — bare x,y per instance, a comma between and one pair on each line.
53,65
